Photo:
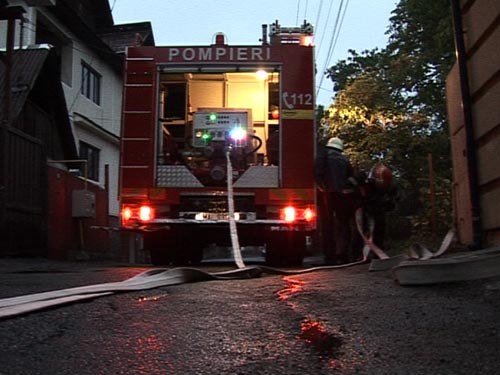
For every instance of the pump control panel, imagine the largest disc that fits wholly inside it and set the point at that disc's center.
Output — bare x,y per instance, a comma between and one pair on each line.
221,125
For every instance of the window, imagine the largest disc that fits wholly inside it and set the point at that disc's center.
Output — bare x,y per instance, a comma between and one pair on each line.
91,154
175,101
274,100
91,84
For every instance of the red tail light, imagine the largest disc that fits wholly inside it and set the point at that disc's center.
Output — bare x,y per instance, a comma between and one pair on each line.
308,214
143,213
289,214
126,214
146,213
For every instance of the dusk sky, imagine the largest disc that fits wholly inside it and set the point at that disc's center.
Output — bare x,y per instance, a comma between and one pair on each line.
361,24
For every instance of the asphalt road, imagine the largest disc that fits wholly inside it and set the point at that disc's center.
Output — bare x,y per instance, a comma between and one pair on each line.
347,321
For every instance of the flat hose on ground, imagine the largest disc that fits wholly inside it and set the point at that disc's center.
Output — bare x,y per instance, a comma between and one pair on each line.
150,279
154,278
159,277
407,273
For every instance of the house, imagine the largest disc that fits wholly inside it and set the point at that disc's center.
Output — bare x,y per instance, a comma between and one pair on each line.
34,128
89,50
473,95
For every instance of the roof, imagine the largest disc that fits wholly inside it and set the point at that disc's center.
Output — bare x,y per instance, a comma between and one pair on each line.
95,14
119,37
26,66
37,66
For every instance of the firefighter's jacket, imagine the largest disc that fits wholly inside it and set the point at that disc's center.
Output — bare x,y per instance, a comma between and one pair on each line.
332,169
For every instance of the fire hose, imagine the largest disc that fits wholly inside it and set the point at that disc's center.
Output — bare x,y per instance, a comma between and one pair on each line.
236,250
154,278
416,268
150,279
409,272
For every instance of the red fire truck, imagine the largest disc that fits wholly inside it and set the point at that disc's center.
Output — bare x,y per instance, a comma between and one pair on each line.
188,112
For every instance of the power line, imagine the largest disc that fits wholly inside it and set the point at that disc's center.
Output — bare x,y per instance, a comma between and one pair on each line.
298,11
340,27
334,38
338,24
326,24
316,24
297,17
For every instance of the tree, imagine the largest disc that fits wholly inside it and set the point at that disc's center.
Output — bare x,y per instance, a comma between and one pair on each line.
389,105
421,42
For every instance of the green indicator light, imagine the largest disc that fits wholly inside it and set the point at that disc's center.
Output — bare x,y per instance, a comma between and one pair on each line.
212,117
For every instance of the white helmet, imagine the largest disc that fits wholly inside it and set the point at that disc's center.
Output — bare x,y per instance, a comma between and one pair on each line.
336,143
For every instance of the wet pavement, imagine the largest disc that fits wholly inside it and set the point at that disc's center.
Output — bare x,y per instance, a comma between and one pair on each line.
343,321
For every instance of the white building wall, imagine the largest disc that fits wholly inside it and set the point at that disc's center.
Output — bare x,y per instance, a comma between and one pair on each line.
97,125
109,155
25,35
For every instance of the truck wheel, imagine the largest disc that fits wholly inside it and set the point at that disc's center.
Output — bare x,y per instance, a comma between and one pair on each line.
285,248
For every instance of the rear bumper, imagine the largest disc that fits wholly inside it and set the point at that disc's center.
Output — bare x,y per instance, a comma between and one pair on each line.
169,224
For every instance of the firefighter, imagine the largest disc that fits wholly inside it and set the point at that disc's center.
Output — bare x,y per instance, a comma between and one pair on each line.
381,195
335,178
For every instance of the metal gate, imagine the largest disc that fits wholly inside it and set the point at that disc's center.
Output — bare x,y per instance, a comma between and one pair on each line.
23,202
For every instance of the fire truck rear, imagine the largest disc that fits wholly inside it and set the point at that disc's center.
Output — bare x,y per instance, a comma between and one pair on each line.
197,118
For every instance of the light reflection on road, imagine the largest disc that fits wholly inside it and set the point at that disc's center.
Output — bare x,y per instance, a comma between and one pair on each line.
326,344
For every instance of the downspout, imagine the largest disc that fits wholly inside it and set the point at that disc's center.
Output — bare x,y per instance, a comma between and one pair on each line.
471,150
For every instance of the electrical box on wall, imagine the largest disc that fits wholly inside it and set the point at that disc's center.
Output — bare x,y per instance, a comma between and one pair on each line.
83,203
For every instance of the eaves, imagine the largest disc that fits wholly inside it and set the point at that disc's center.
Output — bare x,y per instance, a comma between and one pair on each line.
67,16
94,128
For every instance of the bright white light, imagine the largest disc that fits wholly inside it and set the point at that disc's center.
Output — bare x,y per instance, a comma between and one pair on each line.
145,213
306,40
289,214
261,74
238,133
